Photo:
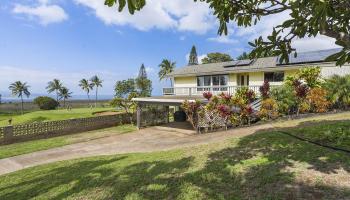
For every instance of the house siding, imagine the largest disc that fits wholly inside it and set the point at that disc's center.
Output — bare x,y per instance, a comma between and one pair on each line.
190,81
327,72
257,78
232,80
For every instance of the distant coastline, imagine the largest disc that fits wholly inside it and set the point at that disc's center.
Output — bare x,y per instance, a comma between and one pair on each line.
10,99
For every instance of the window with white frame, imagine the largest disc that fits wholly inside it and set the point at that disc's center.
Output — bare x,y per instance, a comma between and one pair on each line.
216,82
274,76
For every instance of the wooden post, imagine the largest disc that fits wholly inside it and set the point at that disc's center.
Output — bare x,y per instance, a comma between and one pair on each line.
167,113
138,116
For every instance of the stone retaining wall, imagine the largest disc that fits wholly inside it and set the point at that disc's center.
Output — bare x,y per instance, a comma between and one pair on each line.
22,132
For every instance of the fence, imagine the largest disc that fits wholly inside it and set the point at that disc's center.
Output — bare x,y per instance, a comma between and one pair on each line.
22,132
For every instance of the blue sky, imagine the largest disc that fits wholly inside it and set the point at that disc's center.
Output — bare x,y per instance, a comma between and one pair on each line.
74,39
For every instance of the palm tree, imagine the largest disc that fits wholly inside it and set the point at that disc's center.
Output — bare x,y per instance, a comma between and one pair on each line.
54,85
18,89
96,82
166,67
338,88
64,94
85,85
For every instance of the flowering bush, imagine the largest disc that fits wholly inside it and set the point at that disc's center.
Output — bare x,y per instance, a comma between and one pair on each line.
303,107
246,94
317,98
207,95
269,109
191,109
224,110
250,94
225,97
265,90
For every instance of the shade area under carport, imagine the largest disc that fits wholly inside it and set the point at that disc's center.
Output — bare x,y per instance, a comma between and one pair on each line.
167,100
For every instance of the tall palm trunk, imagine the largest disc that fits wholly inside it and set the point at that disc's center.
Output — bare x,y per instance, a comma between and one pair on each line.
87,93
57,98
22,104
96,97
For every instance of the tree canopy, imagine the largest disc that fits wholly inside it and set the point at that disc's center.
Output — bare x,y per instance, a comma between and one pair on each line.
124,88
308,18
193,59
143,84
166,67
216,58
243,56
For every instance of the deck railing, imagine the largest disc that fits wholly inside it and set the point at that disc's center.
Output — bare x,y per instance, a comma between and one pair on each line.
213,89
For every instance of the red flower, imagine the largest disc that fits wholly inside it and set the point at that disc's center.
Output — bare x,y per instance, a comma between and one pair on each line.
249,110
226,96
207,95
224,110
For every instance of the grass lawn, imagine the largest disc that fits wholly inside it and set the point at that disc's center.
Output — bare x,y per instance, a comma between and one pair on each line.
37,145
333,133
265,165
49,115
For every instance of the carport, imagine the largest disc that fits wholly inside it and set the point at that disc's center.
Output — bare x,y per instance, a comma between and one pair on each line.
166,101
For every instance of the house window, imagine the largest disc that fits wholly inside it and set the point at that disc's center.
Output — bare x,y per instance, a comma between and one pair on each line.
274,76
217,82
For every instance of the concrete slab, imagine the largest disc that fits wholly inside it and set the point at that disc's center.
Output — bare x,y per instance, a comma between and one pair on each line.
150,139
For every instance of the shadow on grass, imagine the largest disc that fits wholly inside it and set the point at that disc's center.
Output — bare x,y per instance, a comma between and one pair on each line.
258,167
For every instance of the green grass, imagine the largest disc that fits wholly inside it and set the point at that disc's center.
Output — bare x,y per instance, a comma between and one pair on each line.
37,145
334,133
50,115
265,165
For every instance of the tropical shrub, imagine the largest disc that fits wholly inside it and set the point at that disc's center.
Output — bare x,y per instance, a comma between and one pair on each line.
46,103
245,94
207,95
338,90
191,109
303,107
285,98
311,76
317,98
269,109
265,90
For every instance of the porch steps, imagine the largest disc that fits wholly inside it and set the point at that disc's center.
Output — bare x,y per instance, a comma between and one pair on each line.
256,105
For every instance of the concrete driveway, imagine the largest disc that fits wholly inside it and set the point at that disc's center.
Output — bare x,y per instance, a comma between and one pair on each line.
146,140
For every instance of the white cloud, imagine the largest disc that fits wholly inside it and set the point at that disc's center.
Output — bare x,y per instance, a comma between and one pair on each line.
181,15
223,39
150,69
46,14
